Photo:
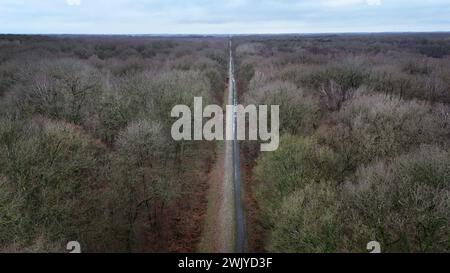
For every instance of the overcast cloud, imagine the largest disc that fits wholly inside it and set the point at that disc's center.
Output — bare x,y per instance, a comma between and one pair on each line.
221,16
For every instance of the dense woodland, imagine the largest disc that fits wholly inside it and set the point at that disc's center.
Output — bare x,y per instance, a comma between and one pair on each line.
86,152
85,146
364,153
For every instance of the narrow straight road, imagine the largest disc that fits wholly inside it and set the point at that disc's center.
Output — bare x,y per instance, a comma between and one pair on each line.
239,210
224,230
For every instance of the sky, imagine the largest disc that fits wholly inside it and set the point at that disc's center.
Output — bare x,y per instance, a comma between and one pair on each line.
221,16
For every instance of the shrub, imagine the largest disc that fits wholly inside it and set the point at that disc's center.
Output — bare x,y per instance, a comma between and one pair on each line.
349,74
8,76
149,96
179,87
414,78
48,181
308,221
390,81
65,89
417,67
299,114
435,50
245,74
141,182
403,203
141,141
217,82
297,162
380,126
249,49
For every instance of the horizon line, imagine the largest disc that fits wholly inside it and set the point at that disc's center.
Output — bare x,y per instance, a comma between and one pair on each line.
228,34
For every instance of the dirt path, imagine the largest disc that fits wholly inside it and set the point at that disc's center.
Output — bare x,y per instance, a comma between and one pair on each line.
219,229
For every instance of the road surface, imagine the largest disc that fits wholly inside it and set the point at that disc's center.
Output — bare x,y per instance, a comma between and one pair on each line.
224,230
236,168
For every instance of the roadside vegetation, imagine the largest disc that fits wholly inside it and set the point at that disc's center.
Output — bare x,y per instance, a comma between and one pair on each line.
364,153
85,146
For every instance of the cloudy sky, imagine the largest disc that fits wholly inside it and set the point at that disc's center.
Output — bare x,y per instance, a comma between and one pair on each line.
221,16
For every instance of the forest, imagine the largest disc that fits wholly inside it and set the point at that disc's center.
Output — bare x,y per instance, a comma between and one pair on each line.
364,146
86,151
85,146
